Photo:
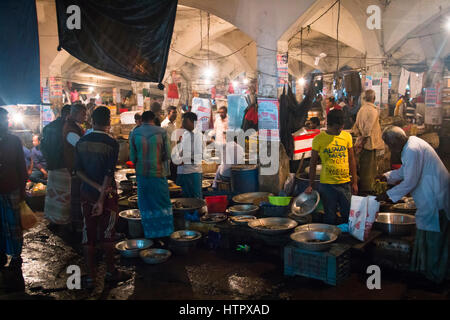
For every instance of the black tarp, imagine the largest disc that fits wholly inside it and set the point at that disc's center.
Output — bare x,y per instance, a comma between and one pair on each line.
19,53
127,38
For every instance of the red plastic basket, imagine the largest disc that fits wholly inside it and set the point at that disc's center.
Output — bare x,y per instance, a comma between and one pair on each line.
216,204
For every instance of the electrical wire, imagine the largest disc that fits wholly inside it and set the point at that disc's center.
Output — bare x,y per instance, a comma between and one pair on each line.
218,58
309,25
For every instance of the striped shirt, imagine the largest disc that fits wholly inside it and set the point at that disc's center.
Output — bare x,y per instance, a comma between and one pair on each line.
150,151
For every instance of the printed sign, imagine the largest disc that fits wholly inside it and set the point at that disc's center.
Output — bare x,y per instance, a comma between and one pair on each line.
282,69
268,119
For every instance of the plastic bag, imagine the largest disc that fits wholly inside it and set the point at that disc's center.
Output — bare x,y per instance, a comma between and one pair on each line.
27,218
363,212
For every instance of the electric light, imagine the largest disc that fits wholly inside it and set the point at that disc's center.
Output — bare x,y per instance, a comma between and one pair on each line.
245,81
301,81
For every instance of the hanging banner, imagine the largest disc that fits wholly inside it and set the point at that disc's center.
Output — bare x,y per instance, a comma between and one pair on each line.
431,96
140,100
282,69
45,95
368,82
404,76
47,115
202,108
268,110
55,87
415,82
385,90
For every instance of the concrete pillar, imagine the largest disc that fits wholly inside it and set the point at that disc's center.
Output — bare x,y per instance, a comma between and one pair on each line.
267,67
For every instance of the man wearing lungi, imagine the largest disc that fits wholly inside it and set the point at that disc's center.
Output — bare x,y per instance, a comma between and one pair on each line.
149,151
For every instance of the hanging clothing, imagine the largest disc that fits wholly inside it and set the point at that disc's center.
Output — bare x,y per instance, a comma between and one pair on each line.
424,176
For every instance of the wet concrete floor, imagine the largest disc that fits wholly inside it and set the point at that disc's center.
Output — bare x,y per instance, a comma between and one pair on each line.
203,274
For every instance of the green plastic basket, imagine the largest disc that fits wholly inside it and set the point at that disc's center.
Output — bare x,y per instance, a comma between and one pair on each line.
279,201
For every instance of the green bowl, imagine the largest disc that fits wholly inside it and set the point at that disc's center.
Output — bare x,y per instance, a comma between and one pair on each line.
279,201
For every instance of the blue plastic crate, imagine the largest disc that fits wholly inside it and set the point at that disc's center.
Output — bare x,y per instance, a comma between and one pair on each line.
332,266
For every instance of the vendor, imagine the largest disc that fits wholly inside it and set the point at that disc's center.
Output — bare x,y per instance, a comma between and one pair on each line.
314,123
39,172
424,176
335,149
188,156
234,154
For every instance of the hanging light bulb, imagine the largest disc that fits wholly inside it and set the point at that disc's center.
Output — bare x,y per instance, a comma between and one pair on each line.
245,81
301,81
234,83
97,96
91,89
208,72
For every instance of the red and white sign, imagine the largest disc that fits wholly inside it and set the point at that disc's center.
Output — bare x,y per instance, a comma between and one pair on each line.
303,144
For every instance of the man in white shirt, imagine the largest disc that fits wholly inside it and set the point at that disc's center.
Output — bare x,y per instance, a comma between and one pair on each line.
169,125
234,154
169,122
188,155
424,176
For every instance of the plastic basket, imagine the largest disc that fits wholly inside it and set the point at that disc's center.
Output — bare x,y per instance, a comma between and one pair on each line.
332,266
216,204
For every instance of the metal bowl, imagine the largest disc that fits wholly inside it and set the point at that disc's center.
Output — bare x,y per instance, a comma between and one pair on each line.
305,204
321,227
273,225
132,214
395,223
213,218
133,200
188,204
206,184
248,198
131,248
185,238
155,256
208,175
242,219
243,209
313,240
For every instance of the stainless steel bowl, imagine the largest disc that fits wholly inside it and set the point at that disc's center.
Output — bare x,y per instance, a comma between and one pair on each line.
321,227
249,197
155,256
132,214
397,224
188,204
242,219
313,240
213,218
273,225
131,248
305,204
243,209
186,238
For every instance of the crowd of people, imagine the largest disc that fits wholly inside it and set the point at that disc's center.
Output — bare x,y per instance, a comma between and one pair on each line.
78,165
422,174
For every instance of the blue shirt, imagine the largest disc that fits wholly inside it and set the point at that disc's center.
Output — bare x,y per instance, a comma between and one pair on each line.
96,155
39,161
27,154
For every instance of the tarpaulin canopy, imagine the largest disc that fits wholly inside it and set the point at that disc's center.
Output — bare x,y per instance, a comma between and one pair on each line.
19,53
127,38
